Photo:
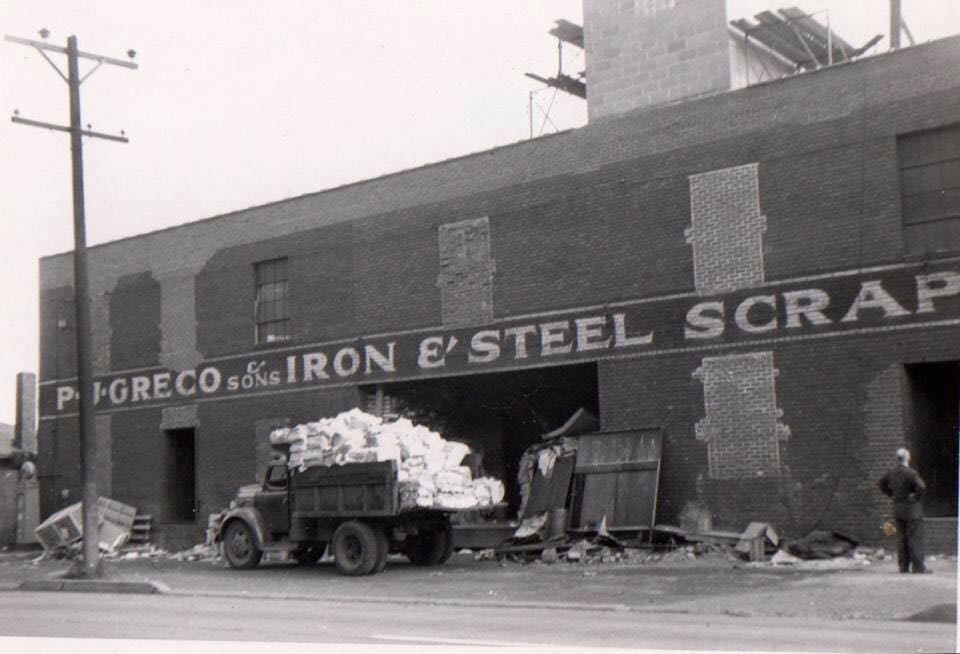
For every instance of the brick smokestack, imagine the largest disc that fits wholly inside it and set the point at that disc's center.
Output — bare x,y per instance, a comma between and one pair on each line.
641,53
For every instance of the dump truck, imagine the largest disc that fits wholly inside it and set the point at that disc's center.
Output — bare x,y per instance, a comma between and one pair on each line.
354,509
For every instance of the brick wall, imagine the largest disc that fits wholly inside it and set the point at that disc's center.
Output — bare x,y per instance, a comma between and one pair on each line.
322,293
58,340
641,53
838,126
940,536
137,461
58,464
883,418
103,466
616,196
843,404
228,444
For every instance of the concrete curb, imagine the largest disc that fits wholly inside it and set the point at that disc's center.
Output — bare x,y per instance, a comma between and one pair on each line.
416,601
93,586
154,587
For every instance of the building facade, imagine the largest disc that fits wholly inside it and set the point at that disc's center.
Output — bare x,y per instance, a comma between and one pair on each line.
770,277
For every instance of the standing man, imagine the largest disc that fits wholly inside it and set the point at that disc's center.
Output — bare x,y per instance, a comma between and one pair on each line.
905,486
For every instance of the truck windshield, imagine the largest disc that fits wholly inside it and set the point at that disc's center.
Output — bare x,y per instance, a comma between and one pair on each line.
276,477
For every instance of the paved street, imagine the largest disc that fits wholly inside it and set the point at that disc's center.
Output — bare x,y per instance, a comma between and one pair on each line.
259,619
705,585
705,604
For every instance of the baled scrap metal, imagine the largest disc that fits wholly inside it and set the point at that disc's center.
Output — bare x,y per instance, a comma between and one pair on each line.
429,469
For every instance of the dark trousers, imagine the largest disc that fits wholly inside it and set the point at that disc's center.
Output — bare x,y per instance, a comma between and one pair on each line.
910,544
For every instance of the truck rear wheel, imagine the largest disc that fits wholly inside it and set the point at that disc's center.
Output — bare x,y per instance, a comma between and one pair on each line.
355,548
240,547
447,529
383,550
432,546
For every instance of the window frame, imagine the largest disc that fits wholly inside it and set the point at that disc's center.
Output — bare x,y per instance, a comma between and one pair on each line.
271,301
928,172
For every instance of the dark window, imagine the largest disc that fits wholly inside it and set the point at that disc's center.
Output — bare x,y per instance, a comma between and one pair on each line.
271,306
932,422
930,188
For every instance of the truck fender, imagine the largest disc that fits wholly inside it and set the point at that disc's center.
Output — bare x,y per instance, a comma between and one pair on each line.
251,517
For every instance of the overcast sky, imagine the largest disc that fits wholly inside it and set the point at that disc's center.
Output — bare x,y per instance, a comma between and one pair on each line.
244,102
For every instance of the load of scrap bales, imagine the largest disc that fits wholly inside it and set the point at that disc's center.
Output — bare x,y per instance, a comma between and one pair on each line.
429,471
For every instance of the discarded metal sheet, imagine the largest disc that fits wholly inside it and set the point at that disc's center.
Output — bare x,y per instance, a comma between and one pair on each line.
619,475
581,422
562,82
568,32
800,38
547,494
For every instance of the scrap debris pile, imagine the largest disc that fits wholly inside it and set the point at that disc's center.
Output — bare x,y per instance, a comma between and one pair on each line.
429,469
758,545
600,550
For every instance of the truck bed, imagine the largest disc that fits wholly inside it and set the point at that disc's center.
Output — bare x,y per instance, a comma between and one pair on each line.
354,489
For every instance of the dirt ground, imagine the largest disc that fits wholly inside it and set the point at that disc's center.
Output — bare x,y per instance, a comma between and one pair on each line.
715,583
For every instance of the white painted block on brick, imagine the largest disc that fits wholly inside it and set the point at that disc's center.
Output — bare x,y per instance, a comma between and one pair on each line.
727,229
742,427
466,272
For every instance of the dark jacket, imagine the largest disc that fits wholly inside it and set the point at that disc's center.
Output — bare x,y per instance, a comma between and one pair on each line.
904,485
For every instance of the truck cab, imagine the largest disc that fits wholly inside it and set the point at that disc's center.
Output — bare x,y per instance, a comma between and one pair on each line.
273,500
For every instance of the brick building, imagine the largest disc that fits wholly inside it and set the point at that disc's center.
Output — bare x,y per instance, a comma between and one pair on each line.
769,277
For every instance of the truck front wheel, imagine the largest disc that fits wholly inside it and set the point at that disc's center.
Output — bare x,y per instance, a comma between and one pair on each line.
355,548
239,546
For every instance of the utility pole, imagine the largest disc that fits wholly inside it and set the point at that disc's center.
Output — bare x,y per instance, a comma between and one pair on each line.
88,436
